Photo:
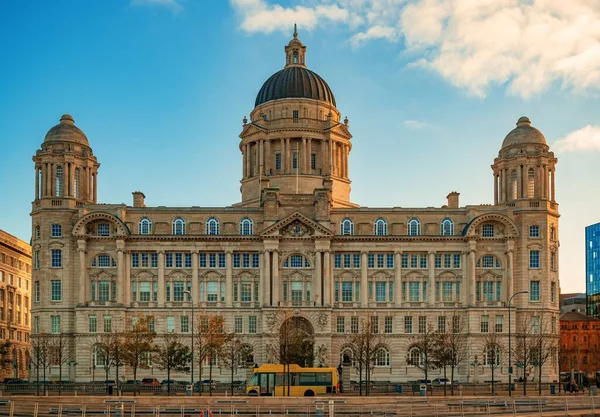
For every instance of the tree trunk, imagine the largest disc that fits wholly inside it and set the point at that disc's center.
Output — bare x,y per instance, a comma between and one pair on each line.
524,383
168,380
493,385
540,379
452,381
232,378
210,366
200,386
445,380
60,377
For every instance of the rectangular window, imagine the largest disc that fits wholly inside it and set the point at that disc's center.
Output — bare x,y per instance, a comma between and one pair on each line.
237,260
340,324
534,231
103,229
457,260
154,259
413,292
56,255
390,260
212,260
337,260
354,324
347,292
438,261
169,260
178,289
423,262
184,322
552,292
56,290
374,324
255,260
37,259
252,324
371,260
238,326
408,324
442,324
404,260
499,324
414,261
178,260
245,260
221,260
170,324
553,261
246,292
135,260
380,260
294,160
202,260
447,292
388,325
92,324
56,230
346,260
144,288
447,261
295,115
55,324
534,291
484,324
144,260
422,324
380,292
313,161
278,161
534,259
107,323
357,291
488,291
188,260
36,291
212,289
103,290
487,230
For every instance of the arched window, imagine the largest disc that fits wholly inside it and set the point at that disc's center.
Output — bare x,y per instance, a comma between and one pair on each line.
40,184
99,357
59,181
530,183
488,262
296,261
382,357
447,227
346,227
103,261
76,183
552,233
179,226
513,185
246,227
491,356
145,226
295,57
380,227
346,356
212,226
414,357
36,233
414,227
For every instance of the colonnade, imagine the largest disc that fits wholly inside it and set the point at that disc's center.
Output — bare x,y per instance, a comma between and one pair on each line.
65,180
515,183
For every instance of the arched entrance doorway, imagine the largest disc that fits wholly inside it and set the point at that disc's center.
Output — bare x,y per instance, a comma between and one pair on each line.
296,342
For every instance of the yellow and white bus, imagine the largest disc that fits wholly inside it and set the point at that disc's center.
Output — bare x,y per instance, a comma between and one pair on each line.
270,379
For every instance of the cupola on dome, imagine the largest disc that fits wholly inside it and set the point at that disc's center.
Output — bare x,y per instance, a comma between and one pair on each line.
295,80
66,131
524,134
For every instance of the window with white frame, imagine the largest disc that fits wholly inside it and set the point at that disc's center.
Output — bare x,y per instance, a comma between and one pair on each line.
55,324
36,232
296,261
534,231
487,230
534,259
442,324
252,324
92,324
354,324
346,227
36,291
534,290
107,323
491,355
178,226
212,226
422,324
246,227
382,357
499,327
145,226
414,357
340,324
447,227
388,325
484,324
170,324
56,290
99,357
414,227
553,261
408,324
238,324
380,227
488,262
59,181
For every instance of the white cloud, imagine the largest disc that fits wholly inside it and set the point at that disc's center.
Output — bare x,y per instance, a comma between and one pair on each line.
416,124
526,46
174,5
584,139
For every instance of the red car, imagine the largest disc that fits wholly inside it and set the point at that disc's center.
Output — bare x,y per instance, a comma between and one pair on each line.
150,381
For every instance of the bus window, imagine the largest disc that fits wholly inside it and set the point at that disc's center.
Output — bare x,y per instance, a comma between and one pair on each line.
267,384
254,380
323,378
307,378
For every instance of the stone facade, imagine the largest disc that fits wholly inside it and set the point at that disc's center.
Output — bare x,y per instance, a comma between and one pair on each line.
296,244
15,282
579,344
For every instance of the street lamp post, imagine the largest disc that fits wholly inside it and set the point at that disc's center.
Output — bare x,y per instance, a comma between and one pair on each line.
192,367
509,342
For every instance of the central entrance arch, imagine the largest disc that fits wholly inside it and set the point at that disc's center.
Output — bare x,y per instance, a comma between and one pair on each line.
297,341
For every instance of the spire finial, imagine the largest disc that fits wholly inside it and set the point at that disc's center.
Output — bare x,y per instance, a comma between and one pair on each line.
295,32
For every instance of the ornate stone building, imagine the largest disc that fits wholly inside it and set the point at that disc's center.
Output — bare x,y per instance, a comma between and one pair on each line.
15,281
296,243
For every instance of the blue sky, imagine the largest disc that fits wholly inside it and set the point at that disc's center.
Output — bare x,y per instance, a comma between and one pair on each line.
430,87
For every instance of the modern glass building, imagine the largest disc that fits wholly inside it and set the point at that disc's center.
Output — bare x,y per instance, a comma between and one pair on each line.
592,269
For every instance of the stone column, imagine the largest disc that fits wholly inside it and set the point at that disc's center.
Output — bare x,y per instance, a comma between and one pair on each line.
161,278
471,267
267,156
398,277
127,286
552,197
261,156
228,279
431,298
519,181
546,191
304,157
95,182
288,155
195,282
318,274
364,280
283,156
309,154
495,188
327,279
37,183
81,248
244,162
502,190
510,244
325,157
120,248
266,280
276,291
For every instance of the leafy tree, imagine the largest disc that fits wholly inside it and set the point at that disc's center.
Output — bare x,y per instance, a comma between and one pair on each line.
113,348
138,344
172,355
5,353
209,343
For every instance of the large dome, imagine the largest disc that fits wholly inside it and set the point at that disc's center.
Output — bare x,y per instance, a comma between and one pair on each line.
523,134
66,131
294,82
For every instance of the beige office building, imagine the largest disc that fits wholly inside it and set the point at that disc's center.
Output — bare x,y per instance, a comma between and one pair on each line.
297,243
15,302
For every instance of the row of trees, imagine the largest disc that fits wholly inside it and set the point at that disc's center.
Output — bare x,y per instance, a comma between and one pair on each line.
446,349
138,347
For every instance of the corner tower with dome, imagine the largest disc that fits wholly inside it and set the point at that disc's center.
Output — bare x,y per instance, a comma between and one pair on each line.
295,249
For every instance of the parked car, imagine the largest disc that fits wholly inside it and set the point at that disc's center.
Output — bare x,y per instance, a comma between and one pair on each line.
169,382
133,382
150,382
425,381
16,381
441,381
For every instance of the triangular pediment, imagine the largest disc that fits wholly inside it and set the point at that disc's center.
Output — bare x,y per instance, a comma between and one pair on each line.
297,225
251,128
